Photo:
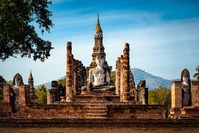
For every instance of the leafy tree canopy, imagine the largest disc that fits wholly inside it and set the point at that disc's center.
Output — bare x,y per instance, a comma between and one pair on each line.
41,93
2,81
17,33
62,82
196,75
160,94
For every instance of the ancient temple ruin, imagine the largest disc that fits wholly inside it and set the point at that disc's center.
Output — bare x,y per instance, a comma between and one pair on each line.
93,83
185,97
19,94
89,91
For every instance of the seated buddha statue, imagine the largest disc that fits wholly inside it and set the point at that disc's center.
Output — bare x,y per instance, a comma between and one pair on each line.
99,77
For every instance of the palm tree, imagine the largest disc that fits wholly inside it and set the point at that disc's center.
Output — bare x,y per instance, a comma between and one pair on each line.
196,75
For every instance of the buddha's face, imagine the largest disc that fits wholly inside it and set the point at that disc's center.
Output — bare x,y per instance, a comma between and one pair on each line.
185,81
99,61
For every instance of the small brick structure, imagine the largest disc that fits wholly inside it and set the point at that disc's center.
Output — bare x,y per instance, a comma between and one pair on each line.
178,109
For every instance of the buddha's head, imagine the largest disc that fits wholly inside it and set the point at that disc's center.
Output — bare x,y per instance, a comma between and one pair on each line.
99,61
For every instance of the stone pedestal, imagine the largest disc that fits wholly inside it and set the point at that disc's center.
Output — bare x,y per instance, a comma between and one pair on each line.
90,97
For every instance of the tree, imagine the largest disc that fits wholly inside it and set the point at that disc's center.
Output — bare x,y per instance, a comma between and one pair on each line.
196,75
62,82
112,76
2,81
160,94
17,33
41,93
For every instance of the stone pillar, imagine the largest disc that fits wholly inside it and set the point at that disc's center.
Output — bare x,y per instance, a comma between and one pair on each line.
69,95
121,78
126,69
176,97
74,77
117,76
142,93
6,93
55,96
49,97
195,93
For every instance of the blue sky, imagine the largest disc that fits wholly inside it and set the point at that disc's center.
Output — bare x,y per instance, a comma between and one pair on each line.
163,37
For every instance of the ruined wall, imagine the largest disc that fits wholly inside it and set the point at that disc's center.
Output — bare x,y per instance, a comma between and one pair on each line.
5,109
76,110
137,111
50,111
195,93
75,74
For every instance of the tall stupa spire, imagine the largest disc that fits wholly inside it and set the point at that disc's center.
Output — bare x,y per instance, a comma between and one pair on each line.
98,49
98,29
98,18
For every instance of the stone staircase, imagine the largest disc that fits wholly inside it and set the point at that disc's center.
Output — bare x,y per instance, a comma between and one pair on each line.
95,111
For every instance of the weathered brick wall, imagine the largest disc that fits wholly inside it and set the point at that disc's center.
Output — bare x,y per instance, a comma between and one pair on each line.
50,111
195,93
5,109
76,110
137,111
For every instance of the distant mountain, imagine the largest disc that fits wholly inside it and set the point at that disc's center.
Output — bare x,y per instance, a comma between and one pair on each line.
151,80
48,84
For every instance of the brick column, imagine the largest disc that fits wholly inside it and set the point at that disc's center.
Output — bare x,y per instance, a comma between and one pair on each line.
69,80
126,69
49,97
176,97
117,76
121,78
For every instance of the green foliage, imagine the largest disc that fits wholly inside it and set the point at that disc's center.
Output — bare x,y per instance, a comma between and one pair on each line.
159,95
196,75
2,81
112,76
41,93
62,82
17,32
